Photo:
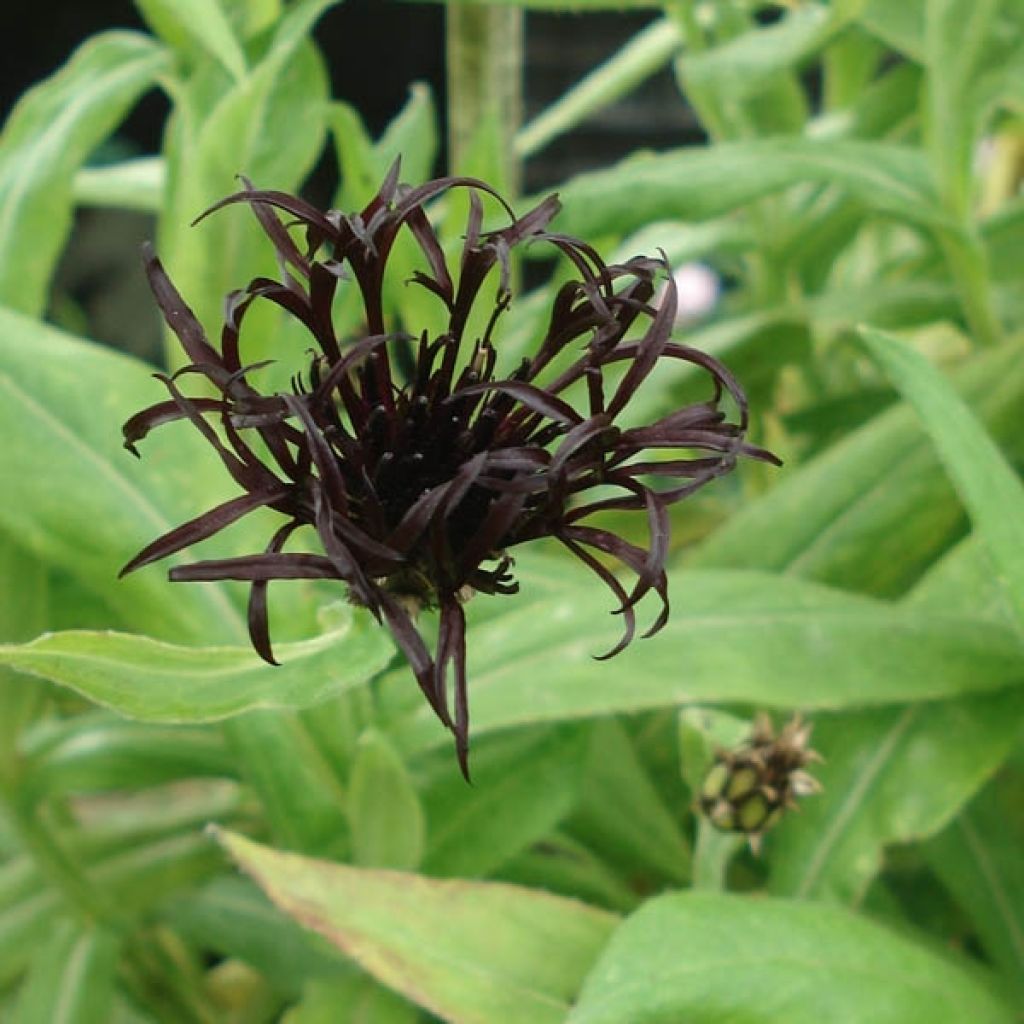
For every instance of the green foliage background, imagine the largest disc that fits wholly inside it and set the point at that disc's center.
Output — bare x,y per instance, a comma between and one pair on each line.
862,187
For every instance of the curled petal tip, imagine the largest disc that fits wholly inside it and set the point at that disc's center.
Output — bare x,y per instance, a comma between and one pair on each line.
462,753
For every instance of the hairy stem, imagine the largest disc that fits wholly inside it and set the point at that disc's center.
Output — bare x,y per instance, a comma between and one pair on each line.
485,56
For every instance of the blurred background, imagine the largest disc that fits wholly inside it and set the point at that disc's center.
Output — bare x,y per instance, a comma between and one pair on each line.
375,50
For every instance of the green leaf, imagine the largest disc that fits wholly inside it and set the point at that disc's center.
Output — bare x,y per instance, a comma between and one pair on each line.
883,108
201,22
270,126
706,958
893,776
896,304
963,579
70,397
251,17
155,681
72,977
900,26
471,952
385,814
336,725
63,403
743,66
482,157
354,1000
699,183
127,1012
733,636
48,136
24,600
232,917
683,241
874,510
621,812
955,34
411,135
130,185
564,866
978,859
524,784
849,66
142,872
300,792
988,486
890,776
753,345
95,752
360,171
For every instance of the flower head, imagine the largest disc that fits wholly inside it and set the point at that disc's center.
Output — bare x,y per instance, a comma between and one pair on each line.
419,485
749,788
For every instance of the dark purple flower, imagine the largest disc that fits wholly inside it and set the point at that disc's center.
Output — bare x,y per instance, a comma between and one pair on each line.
419,484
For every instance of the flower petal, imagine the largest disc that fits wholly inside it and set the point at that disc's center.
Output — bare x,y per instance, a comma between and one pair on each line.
198,529
139,425
256,567
178,315
256,613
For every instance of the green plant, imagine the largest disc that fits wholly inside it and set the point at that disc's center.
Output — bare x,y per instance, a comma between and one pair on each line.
861,192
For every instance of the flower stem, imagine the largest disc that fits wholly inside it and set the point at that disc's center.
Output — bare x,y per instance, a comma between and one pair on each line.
485,56
968,264
711,856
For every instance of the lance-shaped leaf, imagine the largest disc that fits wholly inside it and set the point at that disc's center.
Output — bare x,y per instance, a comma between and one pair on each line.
978,859
890,776
988,486
734,636
72,977
705,958
470,952
702,182
893,775
50,133
67,395
270,125
160,682
201,23
873,511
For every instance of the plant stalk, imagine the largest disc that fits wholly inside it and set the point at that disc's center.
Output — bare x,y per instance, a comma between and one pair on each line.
484,52
968,263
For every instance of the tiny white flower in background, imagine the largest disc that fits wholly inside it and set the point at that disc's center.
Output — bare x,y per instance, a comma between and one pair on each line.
698,288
